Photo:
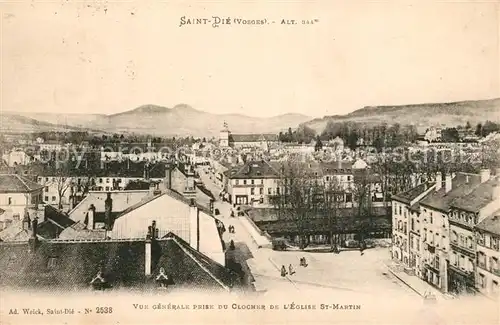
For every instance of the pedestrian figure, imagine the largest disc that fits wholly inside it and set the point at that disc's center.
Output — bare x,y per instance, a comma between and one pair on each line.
303,262
283,271
290,269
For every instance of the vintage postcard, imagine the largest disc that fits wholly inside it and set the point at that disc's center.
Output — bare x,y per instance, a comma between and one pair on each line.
249,162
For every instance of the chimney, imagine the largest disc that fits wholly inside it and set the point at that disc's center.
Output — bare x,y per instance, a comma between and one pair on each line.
26,221
108,209
168,177
90,217
447,183
485,174
439,181
33,241
194,219
147,252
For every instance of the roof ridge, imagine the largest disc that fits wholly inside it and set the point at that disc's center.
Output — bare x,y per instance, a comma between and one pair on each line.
22,181
199,264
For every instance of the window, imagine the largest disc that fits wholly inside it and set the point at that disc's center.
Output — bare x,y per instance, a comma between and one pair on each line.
107,180
9,201
431,217
278,191
469,242
53,198
100,180
46,199
252,182
400,210
236,182
107,188
487,241
46,188
261,182
46,179
261,191
482,281
412,224
52,263
269,191
244,182
327,178
349,178
252,191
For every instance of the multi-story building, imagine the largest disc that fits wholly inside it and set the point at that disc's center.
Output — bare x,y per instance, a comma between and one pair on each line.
18,195
465,213
257,182
406,223
487,235
435,225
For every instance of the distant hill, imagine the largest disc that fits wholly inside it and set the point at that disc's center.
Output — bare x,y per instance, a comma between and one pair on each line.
420,115
181,120
12,123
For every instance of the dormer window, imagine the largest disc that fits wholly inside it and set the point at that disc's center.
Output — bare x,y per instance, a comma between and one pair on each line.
52,263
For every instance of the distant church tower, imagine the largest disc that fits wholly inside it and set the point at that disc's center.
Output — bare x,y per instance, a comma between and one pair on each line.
224,136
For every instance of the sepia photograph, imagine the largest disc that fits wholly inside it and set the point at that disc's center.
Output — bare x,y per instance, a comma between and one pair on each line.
249,162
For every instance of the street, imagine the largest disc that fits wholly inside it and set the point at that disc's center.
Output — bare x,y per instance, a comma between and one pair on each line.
344,272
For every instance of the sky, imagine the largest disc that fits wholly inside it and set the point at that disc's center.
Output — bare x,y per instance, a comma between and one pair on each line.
112,56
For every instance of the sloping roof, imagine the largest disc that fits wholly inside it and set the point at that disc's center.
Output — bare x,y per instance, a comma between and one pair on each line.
461,185
479,197
205,191
121,201
171,193
491,224
412,194
57,216
203,272
73,264
253,137
15,232
254,169
13,183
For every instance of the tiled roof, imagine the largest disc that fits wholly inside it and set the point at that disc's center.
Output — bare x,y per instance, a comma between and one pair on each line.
479,197
412,194
462,185
205,191
13,183
204,271
491,224
254,169
73,264
252,137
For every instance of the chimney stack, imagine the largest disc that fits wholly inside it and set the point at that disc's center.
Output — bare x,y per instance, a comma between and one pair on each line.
439,181
90,217
147,252
447,183
168,177
194,220
108,209
33,241
26,221
485,174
